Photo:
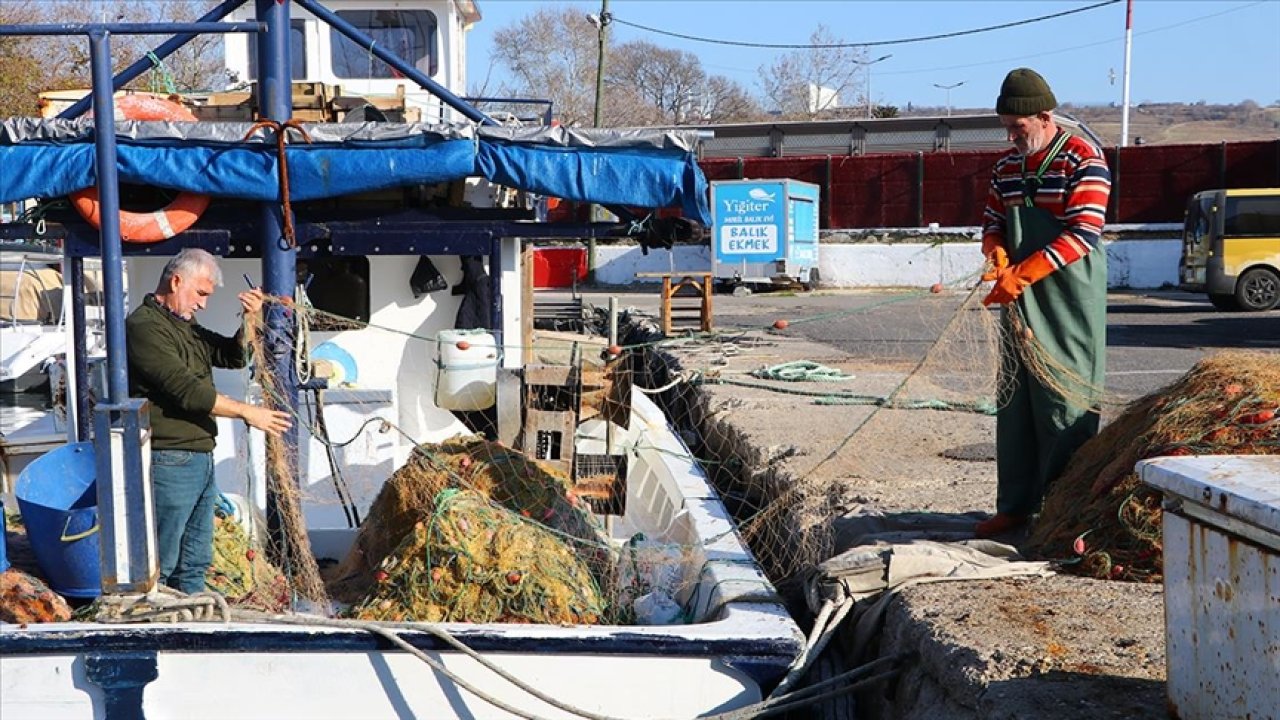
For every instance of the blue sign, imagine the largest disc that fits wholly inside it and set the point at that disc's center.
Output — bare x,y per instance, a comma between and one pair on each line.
749,221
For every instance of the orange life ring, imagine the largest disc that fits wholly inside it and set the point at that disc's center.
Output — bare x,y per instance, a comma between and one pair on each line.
147,227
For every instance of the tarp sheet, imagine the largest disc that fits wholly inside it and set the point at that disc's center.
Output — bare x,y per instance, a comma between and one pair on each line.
631,168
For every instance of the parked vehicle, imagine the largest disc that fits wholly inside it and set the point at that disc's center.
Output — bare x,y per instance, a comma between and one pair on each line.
1231,248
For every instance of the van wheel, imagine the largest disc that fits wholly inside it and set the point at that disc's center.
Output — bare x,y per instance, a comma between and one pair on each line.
814,281
1226,303
1258,289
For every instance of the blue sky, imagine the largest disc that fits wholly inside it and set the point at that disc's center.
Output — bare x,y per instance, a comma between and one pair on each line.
1219,51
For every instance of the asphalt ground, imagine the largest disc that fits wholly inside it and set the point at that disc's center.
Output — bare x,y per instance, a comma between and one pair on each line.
1153,337
1056,648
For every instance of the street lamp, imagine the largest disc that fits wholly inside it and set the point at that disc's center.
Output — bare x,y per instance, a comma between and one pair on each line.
868,66
949,88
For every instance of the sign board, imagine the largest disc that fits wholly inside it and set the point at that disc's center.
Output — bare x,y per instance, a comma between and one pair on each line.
749,221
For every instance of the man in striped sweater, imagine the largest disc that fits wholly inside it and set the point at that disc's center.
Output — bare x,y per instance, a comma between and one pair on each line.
1042,236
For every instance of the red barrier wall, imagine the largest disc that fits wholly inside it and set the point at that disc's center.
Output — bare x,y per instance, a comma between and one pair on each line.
1151,183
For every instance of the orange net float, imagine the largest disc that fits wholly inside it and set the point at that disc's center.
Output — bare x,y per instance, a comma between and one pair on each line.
162,224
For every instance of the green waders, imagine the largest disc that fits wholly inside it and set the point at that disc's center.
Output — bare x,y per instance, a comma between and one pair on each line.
1040,427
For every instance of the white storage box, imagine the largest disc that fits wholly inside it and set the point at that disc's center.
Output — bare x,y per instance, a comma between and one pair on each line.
1222,583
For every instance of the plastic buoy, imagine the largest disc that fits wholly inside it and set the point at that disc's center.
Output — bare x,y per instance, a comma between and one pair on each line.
935,288
780,324
147,227
615,350
463,345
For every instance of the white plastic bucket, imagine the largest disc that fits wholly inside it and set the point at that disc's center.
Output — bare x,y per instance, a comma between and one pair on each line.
467,376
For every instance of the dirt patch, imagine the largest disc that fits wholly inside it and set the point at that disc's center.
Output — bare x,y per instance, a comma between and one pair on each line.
1062,647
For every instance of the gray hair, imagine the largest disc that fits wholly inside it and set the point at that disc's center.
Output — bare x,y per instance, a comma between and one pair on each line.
190,261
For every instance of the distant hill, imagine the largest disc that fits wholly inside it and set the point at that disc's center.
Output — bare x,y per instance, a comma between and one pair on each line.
1169,123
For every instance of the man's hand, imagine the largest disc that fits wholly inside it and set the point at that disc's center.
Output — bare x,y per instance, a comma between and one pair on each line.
1013,280
997,262
271,422
251,300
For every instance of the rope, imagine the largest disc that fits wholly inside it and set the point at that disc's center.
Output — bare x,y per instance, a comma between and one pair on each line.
392,636
163,79
164,604
811,695
801,371
282,167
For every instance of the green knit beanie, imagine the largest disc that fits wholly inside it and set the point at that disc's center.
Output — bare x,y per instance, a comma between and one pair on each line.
1024,92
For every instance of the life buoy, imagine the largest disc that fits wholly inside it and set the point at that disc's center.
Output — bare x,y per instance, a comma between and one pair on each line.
162,224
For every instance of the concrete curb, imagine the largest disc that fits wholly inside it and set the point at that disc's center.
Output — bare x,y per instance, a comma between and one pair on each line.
1138,264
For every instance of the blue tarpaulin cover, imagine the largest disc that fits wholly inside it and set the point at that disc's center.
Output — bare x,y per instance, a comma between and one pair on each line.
46,159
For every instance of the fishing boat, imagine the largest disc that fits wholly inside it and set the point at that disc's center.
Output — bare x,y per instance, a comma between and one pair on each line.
362,209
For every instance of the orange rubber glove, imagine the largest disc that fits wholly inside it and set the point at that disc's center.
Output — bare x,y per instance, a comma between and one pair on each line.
993,250
1011,282
998,259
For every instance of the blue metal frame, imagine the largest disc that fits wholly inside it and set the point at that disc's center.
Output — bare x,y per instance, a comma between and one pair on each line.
167,48
467,237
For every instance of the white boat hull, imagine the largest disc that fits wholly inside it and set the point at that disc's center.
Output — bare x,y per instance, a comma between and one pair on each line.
742,640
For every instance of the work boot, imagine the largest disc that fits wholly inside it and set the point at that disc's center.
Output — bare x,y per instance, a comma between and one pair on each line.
999,524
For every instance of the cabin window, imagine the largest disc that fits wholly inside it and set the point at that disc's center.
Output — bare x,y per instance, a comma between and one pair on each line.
297,51
1256,216
338,286
409,34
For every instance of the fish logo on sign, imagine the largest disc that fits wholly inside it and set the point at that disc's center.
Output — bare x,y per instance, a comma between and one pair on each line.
760,194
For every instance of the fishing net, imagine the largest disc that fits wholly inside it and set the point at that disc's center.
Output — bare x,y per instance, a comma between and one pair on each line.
25,598
472,529
1099,519
469,530
241,571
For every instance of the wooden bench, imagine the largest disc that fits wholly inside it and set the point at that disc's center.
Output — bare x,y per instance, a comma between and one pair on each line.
699,281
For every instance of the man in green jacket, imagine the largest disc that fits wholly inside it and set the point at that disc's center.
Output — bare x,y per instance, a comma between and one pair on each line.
171,361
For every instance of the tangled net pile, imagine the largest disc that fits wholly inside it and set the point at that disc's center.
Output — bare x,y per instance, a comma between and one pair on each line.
472,531
1101,518
241,571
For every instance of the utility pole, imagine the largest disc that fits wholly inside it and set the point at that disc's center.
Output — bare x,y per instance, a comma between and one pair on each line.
949,88
1128,51
601,22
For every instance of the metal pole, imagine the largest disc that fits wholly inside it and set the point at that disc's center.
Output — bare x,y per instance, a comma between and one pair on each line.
868,65
495,289
165,49
78,369
868,91
949,88
601,36
356,36
1128,52
613,320
279,262
602,25
109,197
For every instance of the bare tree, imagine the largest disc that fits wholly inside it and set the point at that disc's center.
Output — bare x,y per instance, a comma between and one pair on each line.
807,82
668,81
29,66
552,54
724,100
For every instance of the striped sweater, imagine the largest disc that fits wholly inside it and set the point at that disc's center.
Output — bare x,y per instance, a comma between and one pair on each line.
1075,188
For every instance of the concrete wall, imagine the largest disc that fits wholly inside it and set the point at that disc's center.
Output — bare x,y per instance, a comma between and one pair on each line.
1130,263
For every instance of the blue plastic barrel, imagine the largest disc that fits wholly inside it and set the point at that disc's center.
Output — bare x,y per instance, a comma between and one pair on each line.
58,499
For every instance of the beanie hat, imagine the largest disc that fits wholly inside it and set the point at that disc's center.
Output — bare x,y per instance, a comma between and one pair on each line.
1024,92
